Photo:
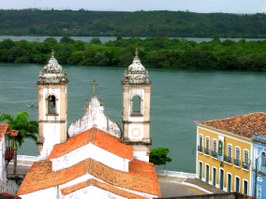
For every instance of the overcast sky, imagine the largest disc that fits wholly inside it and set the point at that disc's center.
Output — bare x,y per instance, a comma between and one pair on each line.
203,6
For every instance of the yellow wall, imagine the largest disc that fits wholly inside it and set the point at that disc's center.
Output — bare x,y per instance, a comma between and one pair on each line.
234,170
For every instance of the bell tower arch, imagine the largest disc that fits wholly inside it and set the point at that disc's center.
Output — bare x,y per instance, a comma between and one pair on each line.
52,107
136,88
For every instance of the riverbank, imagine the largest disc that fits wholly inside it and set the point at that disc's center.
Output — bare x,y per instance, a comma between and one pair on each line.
153,52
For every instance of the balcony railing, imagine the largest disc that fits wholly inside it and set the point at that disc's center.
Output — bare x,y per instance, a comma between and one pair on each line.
228,159
245,165
214,154
262,170
237,162
207,151
200,148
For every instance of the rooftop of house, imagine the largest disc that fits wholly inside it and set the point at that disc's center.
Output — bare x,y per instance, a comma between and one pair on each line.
244,125
141,176
100,185
96,137
3,129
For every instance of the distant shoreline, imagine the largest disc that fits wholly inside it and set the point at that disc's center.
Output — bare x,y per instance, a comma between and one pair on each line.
104,39
163,53
131,24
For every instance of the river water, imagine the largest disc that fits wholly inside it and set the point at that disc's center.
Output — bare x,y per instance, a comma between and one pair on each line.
105,39
178,99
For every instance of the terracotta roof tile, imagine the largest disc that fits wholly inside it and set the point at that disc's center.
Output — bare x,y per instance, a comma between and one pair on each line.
96,137
40,176
141,177
100,185
3,129
245,125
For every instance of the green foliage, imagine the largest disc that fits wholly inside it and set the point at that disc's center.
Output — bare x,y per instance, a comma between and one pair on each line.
153,52
158,156
95,41
136,24
25,128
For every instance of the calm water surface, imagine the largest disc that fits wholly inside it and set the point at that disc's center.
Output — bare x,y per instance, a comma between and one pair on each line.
178,99
105,39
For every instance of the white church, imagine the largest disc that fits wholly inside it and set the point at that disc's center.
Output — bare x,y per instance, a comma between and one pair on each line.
94,158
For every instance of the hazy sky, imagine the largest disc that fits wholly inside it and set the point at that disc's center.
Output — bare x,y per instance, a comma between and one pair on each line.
205,6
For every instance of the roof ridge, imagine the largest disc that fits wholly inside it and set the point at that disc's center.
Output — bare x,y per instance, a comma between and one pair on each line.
40,176
90,165
231,117
93,136
100,185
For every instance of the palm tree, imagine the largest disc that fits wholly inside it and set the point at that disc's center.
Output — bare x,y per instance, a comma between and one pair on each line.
25,129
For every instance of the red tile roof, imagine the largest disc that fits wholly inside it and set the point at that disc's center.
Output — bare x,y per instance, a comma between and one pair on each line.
245,125
96,137
3,129
100,185
141,176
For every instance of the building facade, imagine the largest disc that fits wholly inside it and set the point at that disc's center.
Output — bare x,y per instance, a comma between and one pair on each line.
225,151
259,167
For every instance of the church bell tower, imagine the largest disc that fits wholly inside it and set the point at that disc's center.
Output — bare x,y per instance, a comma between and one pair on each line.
52,107
136,88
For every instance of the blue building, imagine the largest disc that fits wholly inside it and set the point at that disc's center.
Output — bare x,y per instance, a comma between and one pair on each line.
259,167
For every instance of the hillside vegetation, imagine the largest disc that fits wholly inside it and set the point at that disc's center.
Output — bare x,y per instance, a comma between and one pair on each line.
133,24
153,52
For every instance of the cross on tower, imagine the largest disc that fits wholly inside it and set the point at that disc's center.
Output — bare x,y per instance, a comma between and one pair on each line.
136,52
53,52
94,84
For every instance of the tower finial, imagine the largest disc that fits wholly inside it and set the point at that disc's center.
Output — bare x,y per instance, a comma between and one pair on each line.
136,52
52,53
94,84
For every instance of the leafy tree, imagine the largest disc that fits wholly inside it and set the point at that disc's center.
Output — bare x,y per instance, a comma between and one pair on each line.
66,40
25,128
95,41
158,156
153,52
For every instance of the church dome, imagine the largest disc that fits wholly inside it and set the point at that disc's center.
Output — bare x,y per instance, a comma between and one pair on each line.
136,65
52,72
136,73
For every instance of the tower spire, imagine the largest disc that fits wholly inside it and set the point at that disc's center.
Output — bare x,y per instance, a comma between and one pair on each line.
136,53
94,84
53,52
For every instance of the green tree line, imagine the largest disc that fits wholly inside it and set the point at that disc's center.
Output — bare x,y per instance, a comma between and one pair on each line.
153,52
136,24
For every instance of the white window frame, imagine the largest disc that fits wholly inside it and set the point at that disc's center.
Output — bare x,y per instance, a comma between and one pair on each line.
207,140
239,184
245,180
228,173
245,161
235,158
214,148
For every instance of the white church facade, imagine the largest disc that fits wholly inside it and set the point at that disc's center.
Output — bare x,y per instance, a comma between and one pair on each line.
94,157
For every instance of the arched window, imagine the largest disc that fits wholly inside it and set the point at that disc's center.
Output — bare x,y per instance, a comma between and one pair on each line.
51,105
136,105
